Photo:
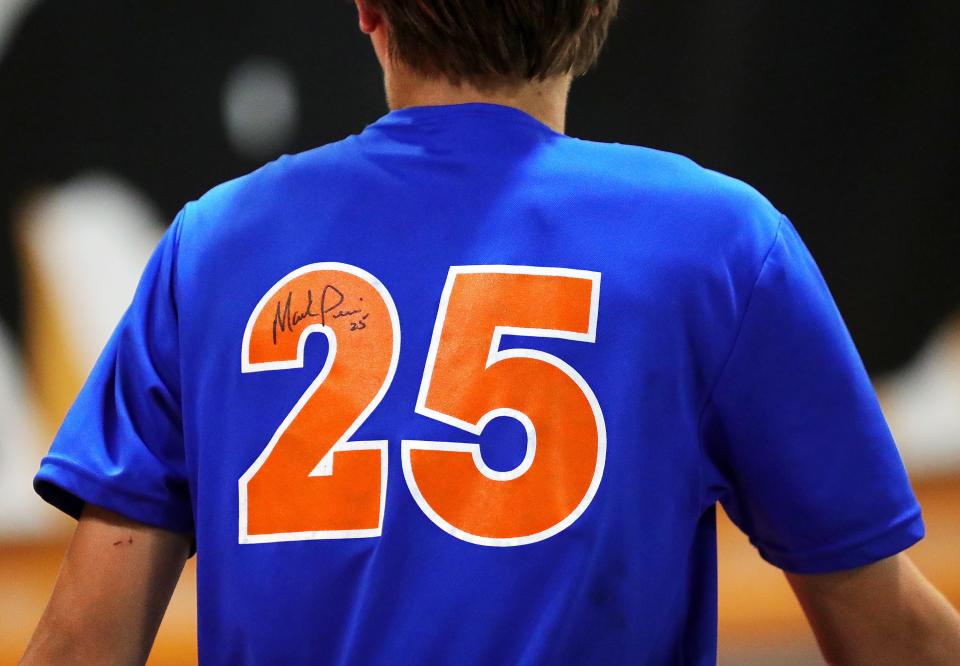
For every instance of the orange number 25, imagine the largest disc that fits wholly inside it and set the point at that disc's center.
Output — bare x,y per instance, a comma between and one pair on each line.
310,482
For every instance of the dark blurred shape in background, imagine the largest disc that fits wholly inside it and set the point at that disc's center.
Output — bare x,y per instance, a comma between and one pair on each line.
845,115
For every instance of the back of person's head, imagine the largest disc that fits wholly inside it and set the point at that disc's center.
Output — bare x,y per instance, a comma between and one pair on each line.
490,42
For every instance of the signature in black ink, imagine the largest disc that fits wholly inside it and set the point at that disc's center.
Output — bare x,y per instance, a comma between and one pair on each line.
345,314
324,308
286,317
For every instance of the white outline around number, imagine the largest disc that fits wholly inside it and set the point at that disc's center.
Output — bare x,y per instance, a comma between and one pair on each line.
325,466
494,355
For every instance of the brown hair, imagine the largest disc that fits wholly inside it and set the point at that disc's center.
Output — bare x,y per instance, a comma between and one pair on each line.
488,42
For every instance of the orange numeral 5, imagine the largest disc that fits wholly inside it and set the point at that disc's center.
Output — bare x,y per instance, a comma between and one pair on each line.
469,380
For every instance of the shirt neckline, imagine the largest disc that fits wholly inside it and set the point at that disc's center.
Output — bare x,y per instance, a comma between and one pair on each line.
438,113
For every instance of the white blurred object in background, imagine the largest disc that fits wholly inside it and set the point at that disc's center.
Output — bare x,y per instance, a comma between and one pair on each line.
88,242
20,512
11,11
922,404
84,246
261,108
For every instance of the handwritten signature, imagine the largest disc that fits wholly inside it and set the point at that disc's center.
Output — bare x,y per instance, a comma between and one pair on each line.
287,317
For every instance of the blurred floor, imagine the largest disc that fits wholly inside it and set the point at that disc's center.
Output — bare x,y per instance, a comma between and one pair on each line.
760,622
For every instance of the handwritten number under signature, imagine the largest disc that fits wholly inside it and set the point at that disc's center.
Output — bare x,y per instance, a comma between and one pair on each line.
359,325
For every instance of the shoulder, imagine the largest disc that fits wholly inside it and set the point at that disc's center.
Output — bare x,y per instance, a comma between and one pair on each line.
269,186
256,211
704,215
679,180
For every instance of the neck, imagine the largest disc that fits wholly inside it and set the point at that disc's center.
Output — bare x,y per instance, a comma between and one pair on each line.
544,100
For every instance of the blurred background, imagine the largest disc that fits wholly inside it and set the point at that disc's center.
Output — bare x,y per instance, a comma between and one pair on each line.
113,114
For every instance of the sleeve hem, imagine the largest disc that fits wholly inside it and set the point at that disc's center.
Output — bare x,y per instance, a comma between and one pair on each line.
68,488
896,538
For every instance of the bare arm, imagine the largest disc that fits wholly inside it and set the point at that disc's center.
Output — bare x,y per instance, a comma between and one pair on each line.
113,588
883,613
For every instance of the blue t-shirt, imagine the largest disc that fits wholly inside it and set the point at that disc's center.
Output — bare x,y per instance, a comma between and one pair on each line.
539,363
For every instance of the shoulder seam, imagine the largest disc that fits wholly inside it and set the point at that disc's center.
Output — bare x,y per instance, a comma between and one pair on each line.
726,361
178,220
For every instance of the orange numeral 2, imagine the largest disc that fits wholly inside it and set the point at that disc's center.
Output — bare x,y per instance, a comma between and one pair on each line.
311,482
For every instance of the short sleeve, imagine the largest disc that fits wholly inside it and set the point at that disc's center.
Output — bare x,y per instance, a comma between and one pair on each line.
121,443
797,449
